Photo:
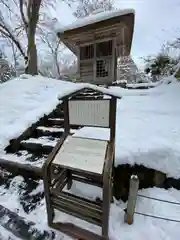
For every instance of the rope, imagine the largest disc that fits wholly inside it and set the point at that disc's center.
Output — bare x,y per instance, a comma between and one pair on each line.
160,200
161,218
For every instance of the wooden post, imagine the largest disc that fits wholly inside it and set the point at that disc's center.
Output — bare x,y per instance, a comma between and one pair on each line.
133,189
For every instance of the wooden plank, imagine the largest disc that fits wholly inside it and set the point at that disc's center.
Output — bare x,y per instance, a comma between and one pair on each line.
133,189
25,170
81,200
83,154
87,181
89,113
107,188
76,232
77,214
47,177
92,34
77,206
59,177
20,227
93,133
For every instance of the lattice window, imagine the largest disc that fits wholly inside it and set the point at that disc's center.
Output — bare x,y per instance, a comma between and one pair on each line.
104,49
87,52
102,68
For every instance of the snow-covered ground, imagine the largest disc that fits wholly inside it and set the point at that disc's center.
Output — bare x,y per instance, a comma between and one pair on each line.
24,100
143,227
148,129
148,133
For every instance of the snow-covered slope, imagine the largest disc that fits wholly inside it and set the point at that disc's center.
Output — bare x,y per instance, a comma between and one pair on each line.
148,129
148,133
24,100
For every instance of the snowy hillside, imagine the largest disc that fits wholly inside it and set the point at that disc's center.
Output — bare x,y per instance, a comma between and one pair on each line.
148,127
148,133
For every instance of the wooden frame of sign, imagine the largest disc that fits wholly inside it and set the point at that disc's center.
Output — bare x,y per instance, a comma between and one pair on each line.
65,165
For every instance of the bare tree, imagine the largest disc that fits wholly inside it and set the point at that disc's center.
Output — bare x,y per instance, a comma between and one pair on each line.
53,45
30,15
24,26
86,7
6,31
31,23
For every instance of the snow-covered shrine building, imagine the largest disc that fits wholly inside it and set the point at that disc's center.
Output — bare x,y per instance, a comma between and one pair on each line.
98,41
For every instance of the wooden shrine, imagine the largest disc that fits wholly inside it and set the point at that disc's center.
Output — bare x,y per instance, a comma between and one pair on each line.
82,158
97,41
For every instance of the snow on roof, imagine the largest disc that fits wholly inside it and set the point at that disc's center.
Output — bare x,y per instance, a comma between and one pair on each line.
81,86
94,18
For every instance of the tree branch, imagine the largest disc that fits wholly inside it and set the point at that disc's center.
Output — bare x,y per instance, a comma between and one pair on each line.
8,34
22,14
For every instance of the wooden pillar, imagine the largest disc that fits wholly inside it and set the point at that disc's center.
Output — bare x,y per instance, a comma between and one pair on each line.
113,77
133,189
94,63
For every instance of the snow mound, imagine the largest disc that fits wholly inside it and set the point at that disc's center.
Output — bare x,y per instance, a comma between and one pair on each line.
148,129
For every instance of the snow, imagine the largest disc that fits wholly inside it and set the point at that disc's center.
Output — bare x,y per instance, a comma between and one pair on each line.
54,129
94,18
44,141
6,235
148,129
24,100
148,133
143,227
93,133
84,154
138,85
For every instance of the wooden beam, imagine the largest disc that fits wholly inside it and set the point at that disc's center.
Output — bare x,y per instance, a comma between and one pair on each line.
25,170
133,189
20,227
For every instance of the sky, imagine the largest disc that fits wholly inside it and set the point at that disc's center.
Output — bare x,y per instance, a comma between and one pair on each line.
156,22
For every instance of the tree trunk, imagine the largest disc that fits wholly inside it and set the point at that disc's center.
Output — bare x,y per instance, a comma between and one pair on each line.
33,16
32,67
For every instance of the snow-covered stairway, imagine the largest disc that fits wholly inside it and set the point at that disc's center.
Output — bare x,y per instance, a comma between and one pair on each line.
30,150
37,142
34,145
19,199
22,228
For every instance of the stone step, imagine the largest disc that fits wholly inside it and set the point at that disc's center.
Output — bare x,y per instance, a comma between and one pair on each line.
57,122
54,131
38,145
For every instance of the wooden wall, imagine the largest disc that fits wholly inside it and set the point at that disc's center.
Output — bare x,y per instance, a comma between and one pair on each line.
118,32
86,71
